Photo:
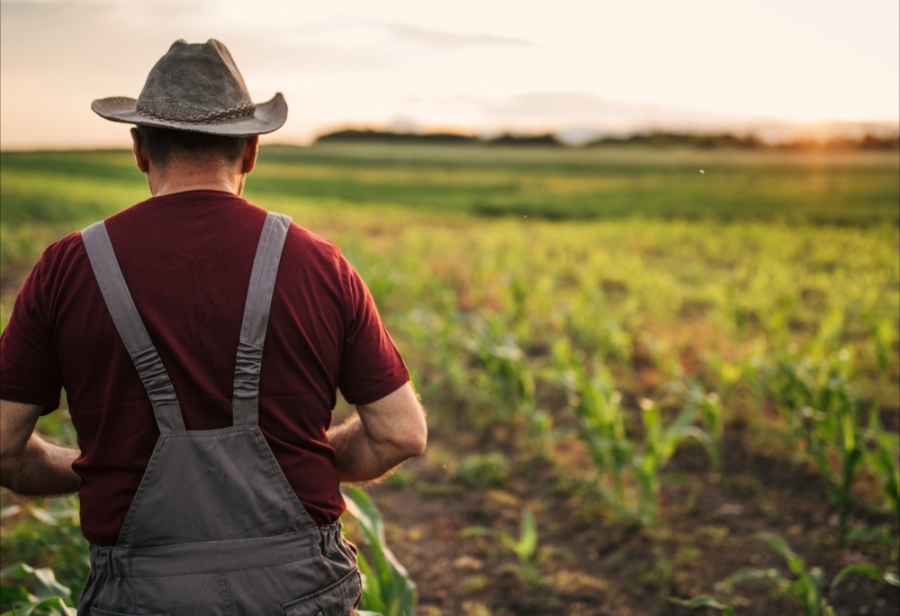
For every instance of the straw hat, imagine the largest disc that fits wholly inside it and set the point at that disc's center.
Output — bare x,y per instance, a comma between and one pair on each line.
196,88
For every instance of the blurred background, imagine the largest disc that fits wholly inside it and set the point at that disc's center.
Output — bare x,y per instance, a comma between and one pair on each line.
642,260
575,68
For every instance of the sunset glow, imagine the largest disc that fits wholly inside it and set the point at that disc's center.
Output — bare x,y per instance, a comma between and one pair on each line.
474,66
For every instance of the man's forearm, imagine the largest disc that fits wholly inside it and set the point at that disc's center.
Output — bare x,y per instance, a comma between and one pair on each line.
360,458
40,469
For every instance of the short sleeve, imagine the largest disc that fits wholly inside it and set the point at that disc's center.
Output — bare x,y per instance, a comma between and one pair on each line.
29,369
371,366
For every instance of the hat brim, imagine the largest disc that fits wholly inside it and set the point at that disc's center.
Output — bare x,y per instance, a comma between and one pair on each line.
267,117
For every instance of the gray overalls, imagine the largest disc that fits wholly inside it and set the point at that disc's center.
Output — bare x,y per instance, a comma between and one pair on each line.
215,528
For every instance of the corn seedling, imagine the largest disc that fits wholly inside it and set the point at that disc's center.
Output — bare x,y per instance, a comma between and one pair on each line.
525,547
598,407
510,377
705,601
882,332
807,585
817,401
50,596
388,589
883,455
51,532
712,416
480,472
660,444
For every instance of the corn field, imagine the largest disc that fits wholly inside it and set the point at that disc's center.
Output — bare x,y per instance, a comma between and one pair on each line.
663,411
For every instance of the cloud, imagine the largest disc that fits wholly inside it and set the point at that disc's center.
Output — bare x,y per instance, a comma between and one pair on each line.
447,40
539,104
585,109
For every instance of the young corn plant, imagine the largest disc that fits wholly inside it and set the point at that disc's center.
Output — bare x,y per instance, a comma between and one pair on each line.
50,531
882,332
525,547
51,597
598,407
883,455
510,378
807,584
709,407
817,401
660,444
705,601
388,590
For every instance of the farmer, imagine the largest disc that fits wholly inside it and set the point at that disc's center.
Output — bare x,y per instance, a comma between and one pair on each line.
201,341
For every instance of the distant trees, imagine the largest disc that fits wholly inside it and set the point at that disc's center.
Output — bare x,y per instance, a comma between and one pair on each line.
652,140
365,135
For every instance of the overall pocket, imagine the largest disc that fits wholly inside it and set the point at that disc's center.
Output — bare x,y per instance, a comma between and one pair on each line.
339,599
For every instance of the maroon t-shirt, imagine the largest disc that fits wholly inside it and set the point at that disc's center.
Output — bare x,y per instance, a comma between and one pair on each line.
186,259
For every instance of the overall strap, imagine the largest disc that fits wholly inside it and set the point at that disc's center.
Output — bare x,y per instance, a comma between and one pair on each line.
131,329
256,319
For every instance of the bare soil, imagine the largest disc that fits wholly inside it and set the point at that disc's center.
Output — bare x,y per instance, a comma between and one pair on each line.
593,566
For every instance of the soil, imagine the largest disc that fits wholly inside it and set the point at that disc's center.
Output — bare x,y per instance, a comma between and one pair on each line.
592,565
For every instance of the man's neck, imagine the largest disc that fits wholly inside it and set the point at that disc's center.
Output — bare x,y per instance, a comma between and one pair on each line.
181,177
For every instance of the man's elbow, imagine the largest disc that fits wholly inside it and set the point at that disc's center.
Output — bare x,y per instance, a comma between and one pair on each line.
409,443
417,442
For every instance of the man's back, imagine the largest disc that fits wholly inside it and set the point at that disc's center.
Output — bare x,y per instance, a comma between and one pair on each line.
187,259
214,527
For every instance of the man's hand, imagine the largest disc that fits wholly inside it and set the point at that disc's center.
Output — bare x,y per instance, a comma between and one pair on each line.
30,465
379,436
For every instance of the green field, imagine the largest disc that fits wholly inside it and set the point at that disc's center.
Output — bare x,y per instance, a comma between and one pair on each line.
658,363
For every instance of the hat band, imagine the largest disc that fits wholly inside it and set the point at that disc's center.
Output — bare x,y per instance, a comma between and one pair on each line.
215,116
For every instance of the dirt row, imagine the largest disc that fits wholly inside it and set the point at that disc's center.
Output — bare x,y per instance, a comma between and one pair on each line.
590,565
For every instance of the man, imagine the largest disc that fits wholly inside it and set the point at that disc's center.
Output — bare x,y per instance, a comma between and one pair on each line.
200,342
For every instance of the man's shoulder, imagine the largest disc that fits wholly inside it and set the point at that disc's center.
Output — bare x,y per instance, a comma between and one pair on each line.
303,242
63,250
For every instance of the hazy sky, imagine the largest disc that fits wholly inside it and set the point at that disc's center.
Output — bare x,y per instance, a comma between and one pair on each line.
480,65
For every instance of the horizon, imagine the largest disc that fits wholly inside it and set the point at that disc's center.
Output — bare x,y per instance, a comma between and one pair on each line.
822,135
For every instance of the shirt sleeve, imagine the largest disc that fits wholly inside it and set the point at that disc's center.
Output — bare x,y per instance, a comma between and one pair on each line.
29,370
371,365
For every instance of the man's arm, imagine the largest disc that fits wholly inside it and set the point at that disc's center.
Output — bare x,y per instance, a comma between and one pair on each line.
379,436
30,465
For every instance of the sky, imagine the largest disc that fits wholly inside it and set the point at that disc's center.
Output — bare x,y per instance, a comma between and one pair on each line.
578,67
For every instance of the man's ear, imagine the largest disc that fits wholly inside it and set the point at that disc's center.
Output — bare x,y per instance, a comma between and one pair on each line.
140,154
249,159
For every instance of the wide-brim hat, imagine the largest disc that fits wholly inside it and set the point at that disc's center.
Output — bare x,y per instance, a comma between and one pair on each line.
197,88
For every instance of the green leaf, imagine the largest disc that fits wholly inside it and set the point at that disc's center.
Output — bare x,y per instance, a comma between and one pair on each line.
45,580
771,575
865,569
15,594
18,570
702,601
529,536
54,605
795,563
48,587
389,588
814,589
